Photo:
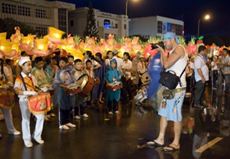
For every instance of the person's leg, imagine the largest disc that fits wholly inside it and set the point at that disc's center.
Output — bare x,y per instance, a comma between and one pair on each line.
115,107
82,109
39,126
163,125
129,89
124,90
219,84
110,105
177,133
25,121
227,104
76,111
62,116
8,120
198,93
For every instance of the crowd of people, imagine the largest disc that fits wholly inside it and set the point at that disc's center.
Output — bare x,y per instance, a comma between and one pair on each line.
33,75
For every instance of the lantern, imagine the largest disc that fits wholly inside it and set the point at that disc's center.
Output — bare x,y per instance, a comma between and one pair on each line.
3,36
55,35
5,46
41,44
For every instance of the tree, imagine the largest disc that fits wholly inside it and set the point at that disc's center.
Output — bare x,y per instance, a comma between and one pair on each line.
91,29
8,25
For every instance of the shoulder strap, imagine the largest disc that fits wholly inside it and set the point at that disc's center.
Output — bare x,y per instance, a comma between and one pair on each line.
183,71
23,81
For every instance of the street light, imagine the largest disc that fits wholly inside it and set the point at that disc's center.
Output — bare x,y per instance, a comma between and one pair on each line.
207,17
126,13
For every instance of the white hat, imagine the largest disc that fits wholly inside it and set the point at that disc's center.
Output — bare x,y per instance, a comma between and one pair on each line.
23,60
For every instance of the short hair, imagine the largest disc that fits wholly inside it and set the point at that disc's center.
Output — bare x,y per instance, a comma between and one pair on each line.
23,53
126,53
8,61
55,58
229,52
109,52
201,48
225,49
38,59
63,59
77,60
70,56
99,55
57,52
48,60
88,61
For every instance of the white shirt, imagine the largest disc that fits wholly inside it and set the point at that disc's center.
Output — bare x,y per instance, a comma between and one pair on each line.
127,65
141,68
20,86
178,68
119,63
199,62
214,67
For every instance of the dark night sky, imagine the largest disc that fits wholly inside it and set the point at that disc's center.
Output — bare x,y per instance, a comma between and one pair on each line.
190,10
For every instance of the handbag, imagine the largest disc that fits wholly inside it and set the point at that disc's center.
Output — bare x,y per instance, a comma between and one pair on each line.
169,79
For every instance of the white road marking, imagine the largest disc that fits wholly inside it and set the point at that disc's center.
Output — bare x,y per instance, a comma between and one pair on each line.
209,144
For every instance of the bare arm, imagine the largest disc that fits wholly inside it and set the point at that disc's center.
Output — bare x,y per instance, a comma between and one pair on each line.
176,55
18,91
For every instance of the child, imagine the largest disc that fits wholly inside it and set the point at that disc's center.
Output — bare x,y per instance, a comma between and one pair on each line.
141,68
62,80
113,96
42,78
25,86
6,84
70,65
89,71
79,101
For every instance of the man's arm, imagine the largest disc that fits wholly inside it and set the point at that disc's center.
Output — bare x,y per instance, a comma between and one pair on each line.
176,55
201,75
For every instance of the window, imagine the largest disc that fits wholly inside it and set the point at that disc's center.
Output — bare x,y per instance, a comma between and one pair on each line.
97,23
42,30
159,26
8,8
125,26
25,11
71,23
116,26
107,23
62,19
41,13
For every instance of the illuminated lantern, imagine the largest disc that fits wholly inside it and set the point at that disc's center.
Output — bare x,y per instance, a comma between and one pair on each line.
55,35
3,36
41,44
5,46
15,47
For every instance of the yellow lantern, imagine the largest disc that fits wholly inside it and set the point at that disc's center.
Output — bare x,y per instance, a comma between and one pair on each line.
5,46
55,33
28,39
3,36
41,44
15,46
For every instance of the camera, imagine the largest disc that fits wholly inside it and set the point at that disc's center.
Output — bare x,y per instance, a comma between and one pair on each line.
154,46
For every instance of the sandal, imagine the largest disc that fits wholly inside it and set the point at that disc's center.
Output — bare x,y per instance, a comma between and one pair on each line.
171,149
154,143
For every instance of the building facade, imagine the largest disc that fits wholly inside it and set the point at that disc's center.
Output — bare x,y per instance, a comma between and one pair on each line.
155,26
107,23
39,14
